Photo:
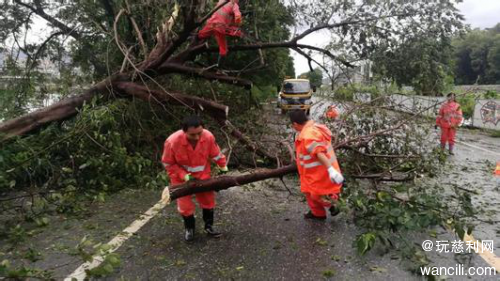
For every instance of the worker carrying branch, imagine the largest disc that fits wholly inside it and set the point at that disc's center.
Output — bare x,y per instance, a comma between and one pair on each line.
448,119
320,177
186,156
225,22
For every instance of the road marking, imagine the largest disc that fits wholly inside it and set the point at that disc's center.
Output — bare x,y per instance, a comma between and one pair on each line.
489,257
117,241
477,147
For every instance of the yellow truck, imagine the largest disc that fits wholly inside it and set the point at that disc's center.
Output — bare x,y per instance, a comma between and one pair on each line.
295,94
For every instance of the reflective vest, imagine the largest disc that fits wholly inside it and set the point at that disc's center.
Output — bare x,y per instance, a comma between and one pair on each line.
229,14
179,157
450,115
497,170
331,113
313,139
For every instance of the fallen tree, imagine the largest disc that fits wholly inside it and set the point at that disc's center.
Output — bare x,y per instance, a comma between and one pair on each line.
90,143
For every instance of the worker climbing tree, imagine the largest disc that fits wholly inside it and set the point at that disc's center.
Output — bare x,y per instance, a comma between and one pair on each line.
225,22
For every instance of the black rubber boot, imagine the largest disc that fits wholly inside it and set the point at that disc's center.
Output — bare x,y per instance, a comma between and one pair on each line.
451,149
219,65
189,223
220,60
334,210
309,215
208,218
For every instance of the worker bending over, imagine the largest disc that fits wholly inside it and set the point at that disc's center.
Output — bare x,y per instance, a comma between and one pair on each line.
320,176
186,156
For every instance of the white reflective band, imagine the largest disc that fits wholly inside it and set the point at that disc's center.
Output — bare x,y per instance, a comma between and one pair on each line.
305,157
314,145
218,157
195,169
312,165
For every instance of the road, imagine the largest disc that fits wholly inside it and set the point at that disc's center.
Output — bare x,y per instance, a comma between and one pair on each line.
265,236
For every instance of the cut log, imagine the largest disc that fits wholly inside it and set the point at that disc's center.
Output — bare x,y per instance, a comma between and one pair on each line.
225,182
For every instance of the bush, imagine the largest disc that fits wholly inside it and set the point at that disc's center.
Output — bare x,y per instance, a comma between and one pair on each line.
104,149
467,103
347,92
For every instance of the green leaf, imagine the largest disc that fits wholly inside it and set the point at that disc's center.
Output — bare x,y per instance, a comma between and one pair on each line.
67,170
365,242
329,273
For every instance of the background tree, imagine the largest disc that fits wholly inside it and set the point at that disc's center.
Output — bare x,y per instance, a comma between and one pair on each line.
422,61
477,56
315,77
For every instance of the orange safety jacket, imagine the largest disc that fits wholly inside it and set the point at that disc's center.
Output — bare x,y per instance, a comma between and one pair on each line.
331,113
450,115
497,170
179,157
228,15
313,139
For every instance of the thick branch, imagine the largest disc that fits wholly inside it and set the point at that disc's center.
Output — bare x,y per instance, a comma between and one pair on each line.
344,23
273,45
216,110
161,52
59,111
201,73
222,183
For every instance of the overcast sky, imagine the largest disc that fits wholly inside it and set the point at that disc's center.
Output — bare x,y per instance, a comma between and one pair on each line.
478,13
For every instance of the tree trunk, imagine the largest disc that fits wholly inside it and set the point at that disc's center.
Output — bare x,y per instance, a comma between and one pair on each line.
59,111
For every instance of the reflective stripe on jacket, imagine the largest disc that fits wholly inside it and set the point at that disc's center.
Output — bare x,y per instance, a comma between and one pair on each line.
450,115
313,139
229,14
179,157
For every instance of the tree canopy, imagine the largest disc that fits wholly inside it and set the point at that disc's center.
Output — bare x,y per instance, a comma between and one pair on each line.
477,57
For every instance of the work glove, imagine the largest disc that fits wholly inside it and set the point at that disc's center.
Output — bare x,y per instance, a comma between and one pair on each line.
223,170
238,21
188,177
335,176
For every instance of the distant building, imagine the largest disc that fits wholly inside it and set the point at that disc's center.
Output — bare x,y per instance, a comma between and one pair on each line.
361,74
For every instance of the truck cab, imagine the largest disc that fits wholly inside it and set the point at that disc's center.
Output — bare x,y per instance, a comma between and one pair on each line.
295,94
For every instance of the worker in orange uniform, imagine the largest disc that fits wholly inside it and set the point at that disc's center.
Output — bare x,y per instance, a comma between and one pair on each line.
449,118
224,22
497,170
331,113
320,176
186,156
